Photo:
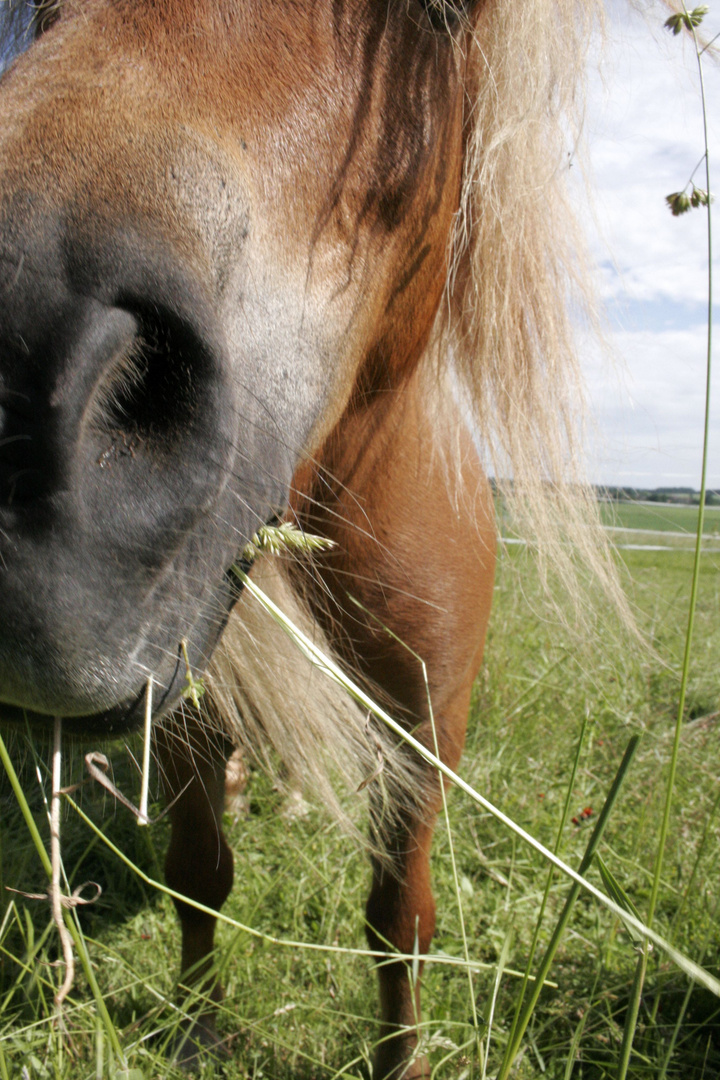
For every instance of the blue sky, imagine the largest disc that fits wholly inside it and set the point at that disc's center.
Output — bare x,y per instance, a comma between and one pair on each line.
644,138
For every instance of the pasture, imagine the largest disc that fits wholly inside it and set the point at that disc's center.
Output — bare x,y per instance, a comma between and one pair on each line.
660,517
291,1012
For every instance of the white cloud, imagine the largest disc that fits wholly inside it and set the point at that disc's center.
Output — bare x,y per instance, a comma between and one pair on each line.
644,133
649,409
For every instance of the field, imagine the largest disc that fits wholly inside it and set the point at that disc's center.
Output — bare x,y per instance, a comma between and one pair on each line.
660,517
660,525
649,525
290,1012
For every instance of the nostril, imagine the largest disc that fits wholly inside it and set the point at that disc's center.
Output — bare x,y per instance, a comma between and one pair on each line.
17,484
20,478
157,423
149,398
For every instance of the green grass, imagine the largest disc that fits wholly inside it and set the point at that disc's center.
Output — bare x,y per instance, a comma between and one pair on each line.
660,517
292,1013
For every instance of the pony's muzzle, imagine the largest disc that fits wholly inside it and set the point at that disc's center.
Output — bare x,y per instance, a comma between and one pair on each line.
117,446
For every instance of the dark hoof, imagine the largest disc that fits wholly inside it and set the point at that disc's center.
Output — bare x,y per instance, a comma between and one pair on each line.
400,1062
197,1043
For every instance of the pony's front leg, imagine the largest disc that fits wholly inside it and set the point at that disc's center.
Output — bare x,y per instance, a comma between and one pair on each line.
199,862
401,907
401,914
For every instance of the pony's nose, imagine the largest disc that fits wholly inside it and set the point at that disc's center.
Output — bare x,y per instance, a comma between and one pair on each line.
117,447
113,398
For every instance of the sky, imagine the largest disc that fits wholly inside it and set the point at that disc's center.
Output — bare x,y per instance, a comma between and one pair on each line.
644,138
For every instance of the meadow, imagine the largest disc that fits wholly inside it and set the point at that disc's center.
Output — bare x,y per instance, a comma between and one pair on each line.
545,704
661,518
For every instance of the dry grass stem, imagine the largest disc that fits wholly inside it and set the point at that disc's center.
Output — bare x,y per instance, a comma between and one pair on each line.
56,896
194,688
145,786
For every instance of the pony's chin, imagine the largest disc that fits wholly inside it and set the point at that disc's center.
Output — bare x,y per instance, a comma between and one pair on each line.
128,713
121,719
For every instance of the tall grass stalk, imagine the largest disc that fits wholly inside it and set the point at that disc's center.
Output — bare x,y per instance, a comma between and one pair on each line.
502,961
686,1001
546,962
56,896
145,783
507,1058
690,21
453,863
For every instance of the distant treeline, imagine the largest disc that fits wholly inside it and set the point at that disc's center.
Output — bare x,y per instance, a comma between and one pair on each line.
683,496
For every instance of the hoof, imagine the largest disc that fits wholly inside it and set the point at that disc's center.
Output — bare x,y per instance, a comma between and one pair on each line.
236,780
395,1062
197,1043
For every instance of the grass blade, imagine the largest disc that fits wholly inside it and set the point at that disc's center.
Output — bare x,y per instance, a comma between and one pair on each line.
548,884
546,962
618,894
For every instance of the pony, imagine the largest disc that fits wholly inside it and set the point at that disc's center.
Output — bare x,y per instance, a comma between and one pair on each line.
302,261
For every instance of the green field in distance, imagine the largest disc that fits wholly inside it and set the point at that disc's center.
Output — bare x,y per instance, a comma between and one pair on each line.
664,517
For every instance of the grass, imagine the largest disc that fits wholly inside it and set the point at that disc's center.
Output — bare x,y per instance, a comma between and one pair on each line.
645,524
660,517
292,1013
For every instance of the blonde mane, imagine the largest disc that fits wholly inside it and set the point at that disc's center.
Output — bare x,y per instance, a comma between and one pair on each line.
518,286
